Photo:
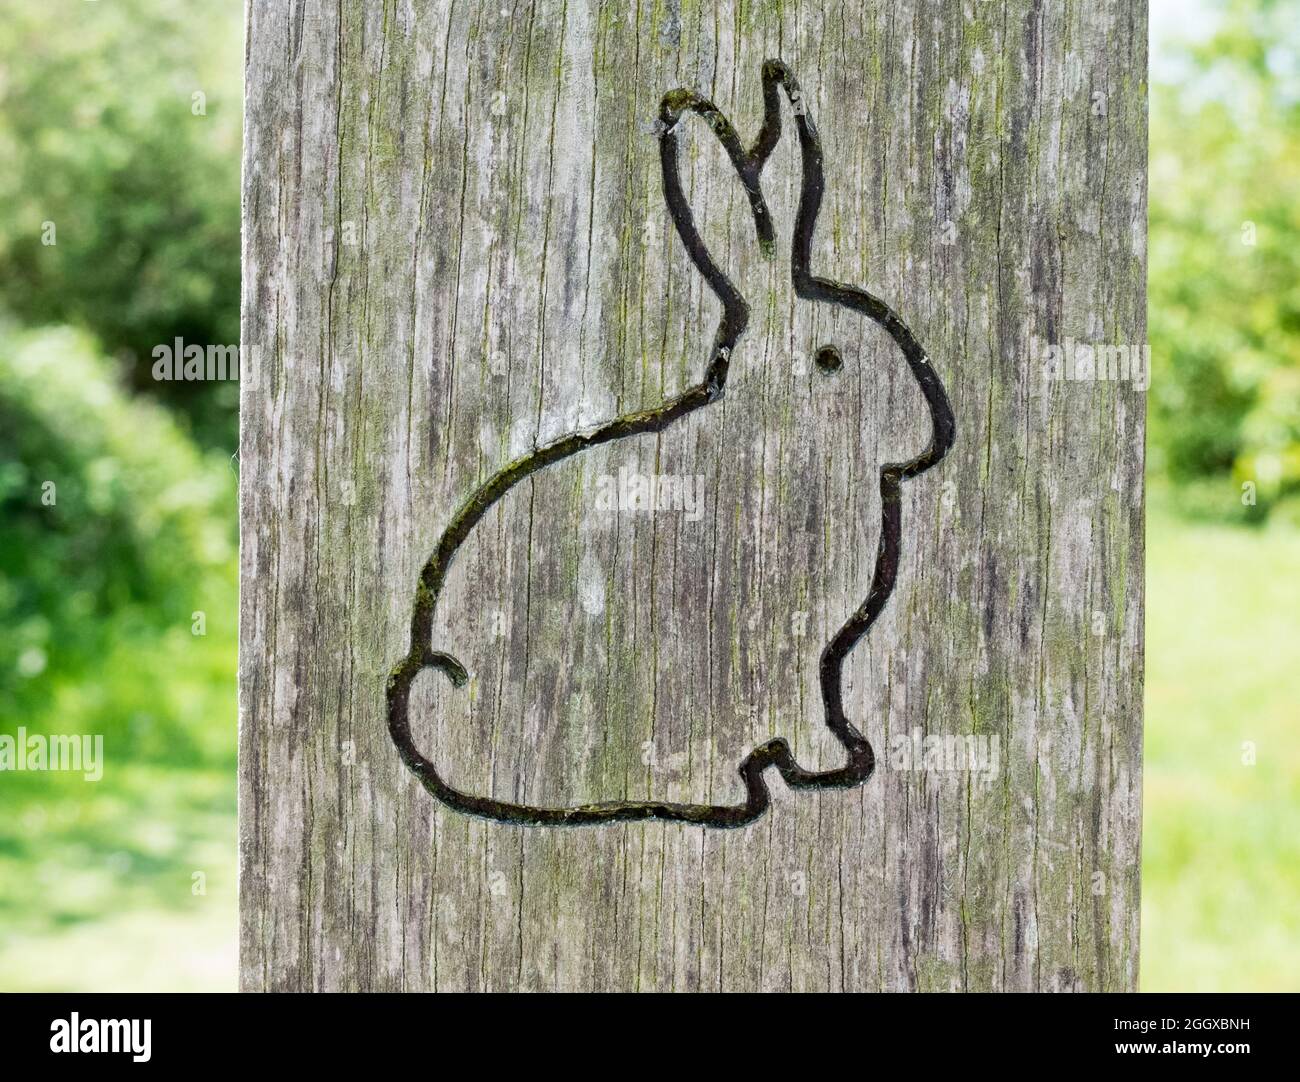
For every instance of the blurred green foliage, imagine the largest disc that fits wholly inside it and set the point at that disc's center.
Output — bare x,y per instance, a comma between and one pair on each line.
1225,264
101,138
114,531
116,525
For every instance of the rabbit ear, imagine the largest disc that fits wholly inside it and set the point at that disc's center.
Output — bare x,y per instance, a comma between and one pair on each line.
777,76
675,104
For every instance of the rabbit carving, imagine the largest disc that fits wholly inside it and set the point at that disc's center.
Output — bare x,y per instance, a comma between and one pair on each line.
859,759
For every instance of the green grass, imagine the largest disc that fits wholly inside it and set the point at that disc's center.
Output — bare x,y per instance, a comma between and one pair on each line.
97,888
1221,839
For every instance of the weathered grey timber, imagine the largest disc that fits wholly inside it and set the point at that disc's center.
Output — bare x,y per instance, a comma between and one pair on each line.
457,250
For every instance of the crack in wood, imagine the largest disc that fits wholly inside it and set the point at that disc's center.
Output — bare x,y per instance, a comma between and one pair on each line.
735,317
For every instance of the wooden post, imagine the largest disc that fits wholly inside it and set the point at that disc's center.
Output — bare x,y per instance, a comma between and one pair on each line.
692,495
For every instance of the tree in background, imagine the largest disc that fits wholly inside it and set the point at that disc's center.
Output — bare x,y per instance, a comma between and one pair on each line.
1225,264
115,555
119,218
121,142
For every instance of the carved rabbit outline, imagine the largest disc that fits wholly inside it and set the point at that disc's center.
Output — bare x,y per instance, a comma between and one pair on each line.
860,759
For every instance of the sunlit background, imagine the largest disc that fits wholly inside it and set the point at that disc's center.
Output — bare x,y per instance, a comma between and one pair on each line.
119,134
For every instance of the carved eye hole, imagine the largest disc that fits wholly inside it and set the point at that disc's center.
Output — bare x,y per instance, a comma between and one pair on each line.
829,360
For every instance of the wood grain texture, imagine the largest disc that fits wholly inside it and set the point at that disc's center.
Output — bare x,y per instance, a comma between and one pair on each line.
456,249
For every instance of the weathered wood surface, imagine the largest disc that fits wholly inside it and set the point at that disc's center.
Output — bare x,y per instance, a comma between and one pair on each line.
456,248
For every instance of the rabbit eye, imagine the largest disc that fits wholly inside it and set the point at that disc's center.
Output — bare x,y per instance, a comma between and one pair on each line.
829,360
